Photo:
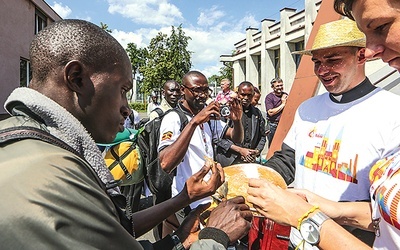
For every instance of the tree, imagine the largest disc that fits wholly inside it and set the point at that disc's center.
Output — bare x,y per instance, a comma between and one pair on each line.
138,57
167,59
104,27
226,71
214,81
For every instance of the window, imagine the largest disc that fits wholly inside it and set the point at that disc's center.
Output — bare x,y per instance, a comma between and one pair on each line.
25,73
258,69
297,47
277,64
40,21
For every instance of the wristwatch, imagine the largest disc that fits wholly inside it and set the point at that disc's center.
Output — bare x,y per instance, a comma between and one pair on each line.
177,242
310,228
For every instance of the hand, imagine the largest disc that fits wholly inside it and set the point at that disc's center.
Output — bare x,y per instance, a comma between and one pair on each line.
275,203
233,217
211,110
188,231
284,98
236,110
327,206
197,188
248,155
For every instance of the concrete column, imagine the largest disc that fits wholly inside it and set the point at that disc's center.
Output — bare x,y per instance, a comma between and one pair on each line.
267,61
239,69
251,62
310,15
287,63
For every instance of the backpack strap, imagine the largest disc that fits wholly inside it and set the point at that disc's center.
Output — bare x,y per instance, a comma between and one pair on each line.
19,133
159,111
118,160
26,132
182,117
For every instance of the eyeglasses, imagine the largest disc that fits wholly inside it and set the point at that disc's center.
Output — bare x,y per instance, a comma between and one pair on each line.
197,91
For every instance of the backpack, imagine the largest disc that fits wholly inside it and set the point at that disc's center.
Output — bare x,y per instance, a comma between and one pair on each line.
158,181
123,158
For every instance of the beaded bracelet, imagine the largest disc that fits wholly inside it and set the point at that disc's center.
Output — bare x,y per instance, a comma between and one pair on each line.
305,215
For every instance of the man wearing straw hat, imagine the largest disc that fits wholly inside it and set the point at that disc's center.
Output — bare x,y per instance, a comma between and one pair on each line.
336,137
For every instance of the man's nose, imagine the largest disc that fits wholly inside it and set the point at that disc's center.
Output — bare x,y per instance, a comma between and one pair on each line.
373,50
125,110
322,69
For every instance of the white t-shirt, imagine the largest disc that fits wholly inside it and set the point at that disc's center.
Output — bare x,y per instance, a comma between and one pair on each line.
199,147
337,143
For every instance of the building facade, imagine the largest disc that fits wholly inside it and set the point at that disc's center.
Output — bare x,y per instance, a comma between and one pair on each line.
21,20
267,53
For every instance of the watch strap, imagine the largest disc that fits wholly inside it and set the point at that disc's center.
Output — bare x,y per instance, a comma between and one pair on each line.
318,218
177,242
315,221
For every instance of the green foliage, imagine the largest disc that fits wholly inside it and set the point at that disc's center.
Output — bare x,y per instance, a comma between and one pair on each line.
138,106
104,27
137,56
167,59
226,71
214,80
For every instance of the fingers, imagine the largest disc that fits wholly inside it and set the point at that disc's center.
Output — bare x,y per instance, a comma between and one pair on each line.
237,200
217,175
203,171
221,172
299,192
256,183
200,209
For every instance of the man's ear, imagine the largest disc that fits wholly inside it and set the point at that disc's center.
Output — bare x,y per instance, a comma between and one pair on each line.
73,75
361,55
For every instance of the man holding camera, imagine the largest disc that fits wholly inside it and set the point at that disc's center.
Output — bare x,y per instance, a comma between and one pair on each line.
186,150
229,153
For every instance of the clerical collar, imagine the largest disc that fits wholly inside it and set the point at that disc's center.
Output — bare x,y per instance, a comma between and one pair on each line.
362,89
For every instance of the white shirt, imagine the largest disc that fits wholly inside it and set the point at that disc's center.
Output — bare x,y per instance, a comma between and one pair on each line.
336,144
200,147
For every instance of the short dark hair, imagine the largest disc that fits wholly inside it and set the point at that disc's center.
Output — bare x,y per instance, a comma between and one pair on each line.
276,79
190,74
344,7
256,90
72,39
246,83
170,81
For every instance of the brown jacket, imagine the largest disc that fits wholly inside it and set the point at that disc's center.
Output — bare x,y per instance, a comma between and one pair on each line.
52,199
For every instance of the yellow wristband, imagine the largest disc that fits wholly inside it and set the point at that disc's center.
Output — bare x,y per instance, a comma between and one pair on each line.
305,215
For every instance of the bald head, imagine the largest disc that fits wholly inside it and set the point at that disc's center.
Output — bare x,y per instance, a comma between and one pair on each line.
68,40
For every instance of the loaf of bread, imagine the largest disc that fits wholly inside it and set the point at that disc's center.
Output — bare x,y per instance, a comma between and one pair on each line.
237,179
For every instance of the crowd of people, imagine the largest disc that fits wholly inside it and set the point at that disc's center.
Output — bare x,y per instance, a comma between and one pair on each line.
343,164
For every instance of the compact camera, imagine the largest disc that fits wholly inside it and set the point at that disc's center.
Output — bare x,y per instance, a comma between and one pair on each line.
224,110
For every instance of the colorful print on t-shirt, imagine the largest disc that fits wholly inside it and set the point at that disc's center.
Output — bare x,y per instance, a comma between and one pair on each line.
324,157
387,194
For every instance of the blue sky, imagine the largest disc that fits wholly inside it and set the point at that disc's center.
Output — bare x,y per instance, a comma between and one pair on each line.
214,26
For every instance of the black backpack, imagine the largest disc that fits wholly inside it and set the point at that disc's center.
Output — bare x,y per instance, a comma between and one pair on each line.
158,181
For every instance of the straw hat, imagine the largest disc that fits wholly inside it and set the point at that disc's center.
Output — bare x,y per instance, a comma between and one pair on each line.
339,33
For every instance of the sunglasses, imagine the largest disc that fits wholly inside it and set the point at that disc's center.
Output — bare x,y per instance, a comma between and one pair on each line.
198,91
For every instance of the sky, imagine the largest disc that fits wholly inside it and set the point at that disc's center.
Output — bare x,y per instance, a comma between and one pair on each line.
213,25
